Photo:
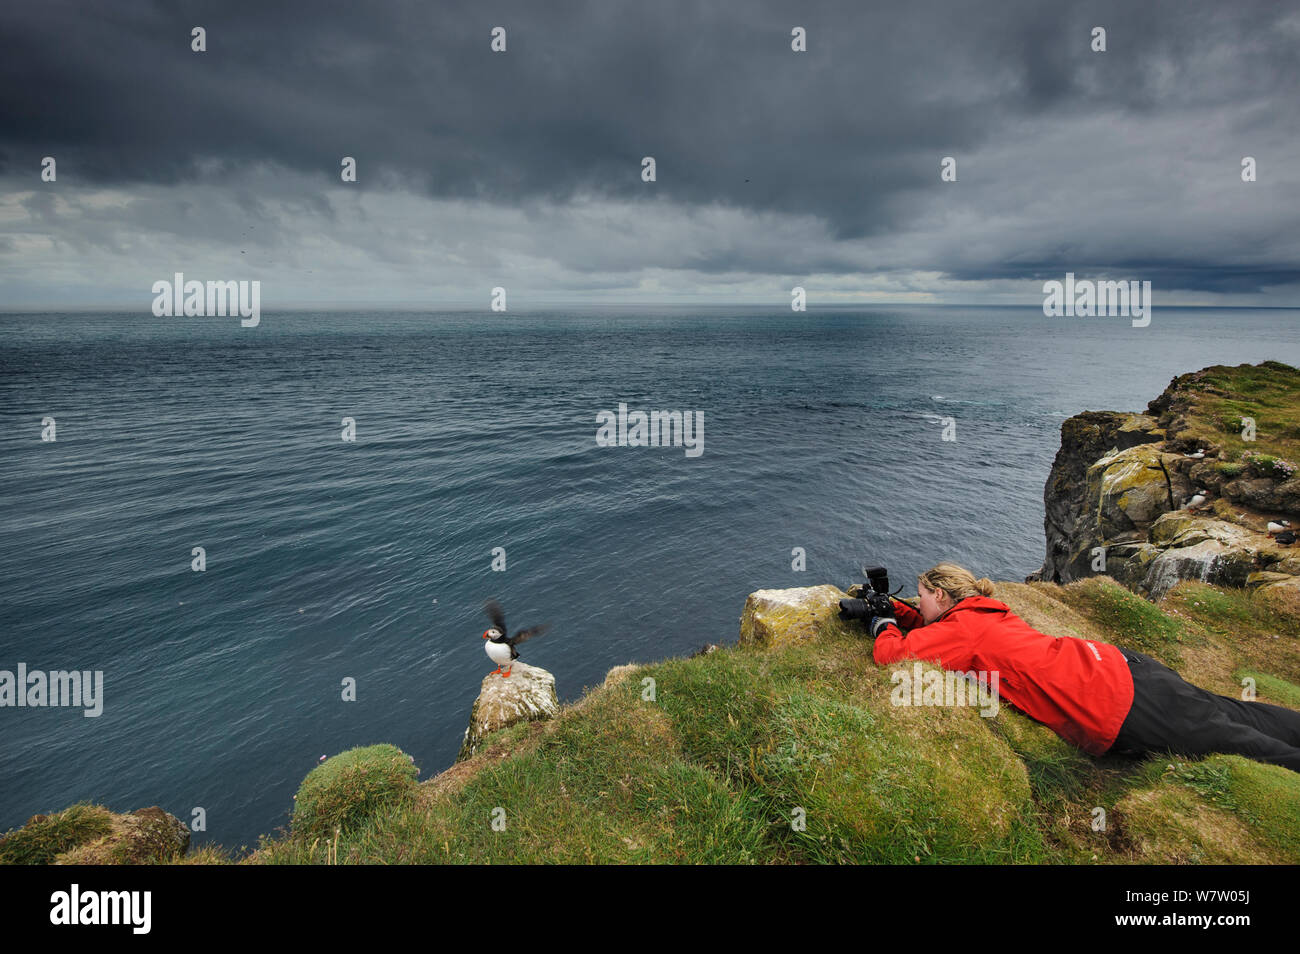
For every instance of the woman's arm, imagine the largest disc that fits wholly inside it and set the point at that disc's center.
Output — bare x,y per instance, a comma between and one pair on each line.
907,617
945,641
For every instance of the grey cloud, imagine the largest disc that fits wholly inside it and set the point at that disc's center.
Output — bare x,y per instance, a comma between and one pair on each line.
849,134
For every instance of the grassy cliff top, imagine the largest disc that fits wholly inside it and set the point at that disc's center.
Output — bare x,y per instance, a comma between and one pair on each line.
1208,405
794,754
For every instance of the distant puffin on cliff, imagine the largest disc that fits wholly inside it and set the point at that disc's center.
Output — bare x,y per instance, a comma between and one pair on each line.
1198,499
500,647
1286,538
1277,526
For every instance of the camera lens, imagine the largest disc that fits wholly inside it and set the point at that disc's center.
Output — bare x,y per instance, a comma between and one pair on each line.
855,609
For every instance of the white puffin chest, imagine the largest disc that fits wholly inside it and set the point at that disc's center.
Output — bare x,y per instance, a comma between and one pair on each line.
499,653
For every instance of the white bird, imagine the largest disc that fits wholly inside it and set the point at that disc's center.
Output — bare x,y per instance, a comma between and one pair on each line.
1277,526
1200,452
1198,499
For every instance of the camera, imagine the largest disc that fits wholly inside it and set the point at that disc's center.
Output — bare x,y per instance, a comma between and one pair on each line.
872,602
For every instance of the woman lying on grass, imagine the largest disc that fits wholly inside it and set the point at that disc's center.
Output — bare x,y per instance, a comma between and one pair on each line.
1100,697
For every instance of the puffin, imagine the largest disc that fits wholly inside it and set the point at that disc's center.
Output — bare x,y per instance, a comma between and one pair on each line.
1198,455
1277,526
1197,501
1286,538
500,647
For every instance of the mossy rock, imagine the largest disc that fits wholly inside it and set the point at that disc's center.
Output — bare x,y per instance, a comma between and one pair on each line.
1130,565
1209,561
1132,488
1283,594
779,617
527,695
1183,529
345,790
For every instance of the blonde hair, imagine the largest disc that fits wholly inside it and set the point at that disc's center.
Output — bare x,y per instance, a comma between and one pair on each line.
957,581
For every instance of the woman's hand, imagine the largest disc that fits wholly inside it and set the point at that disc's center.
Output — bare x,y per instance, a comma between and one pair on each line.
882,613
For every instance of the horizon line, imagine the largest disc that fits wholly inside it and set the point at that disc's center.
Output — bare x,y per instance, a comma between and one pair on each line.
407,306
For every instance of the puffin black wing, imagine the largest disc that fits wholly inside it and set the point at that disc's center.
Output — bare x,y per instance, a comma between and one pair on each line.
526,634
497,615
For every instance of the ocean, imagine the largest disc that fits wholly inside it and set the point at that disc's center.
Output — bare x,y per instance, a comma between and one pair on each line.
475,442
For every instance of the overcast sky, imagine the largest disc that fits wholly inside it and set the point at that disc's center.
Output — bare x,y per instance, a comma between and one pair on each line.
775,168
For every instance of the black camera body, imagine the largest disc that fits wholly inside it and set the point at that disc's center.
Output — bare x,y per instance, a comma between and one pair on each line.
873,602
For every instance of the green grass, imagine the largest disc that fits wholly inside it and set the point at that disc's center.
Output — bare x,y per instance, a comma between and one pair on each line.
1057,770
1130,620
796,754
745,756
1268,392
344,790
605,784
1221,809
1251,632
1271,688
47,837
819,746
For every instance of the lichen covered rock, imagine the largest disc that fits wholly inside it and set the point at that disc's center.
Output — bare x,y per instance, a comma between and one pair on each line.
1069,512
1133,488
1123,486
526,695
775,617
1208,561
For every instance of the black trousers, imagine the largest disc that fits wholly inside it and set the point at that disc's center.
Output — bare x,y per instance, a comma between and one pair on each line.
1171,715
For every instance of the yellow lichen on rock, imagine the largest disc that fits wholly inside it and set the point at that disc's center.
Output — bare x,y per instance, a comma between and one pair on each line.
776,617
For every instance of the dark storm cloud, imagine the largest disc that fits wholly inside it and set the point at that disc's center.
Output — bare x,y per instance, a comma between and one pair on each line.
851,132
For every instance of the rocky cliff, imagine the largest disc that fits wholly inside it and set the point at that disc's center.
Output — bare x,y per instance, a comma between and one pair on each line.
1186,490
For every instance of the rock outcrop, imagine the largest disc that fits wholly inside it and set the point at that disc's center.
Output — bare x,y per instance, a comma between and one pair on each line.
526,695
1178,493
776,617
92,835
145,836
1071,511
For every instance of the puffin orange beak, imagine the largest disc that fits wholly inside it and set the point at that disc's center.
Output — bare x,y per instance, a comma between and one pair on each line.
485,635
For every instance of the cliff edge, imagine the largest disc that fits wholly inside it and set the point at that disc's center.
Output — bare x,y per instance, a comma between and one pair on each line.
1202,486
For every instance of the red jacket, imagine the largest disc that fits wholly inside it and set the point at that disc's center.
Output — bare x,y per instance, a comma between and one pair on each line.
1080,689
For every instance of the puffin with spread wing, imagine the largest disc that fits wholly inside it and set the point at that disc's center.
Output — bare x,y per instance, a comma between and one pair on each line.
500,647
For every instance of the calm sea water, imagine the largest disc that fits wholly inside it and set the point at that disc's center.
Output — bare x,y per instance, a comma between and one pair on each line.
370,560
